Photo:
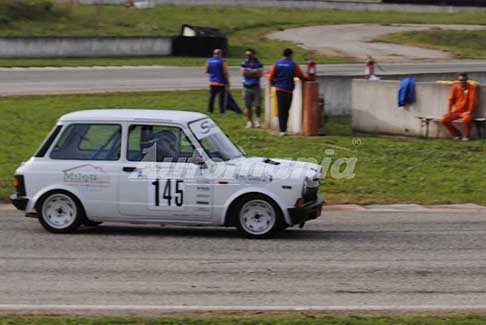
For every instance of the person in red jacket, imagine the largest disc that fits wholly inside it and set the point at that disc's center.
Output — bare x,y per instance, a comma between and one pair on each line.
462,103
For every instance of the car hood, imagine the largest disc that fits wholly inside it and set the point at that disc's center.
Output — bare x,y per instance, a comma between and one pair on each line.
275,168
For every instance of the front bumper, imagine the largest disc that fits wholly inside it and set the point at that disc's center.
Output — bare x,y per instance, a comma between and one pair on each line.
19,202
310,210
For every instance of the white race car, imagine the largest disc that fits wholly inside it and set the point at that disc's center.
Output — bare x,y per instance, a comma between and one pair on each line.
160,167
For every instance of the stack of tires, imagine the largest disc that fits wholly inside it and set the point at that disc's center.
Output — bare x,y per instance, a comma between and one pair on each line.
470,3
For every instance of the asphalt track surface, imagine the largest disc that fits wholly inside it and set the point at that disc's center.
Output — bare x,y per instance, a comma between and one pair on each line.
358,40
342,261
27,81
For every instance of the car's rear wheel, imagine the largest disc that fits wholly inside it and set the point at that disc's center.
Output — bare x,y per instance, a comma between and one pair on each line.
258,216
60,212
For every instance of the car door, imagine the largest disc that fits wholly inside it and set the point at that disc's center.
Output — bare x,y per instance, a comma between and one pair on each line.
160,179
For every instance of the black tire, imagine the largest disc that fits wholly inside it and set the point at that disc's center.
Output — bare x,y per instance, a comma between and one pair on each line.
257,216
64,204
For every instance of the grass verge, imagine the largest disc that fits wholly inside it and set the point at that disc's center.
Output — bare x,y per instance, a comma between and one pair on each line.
461,44
245,27
388,170
267,320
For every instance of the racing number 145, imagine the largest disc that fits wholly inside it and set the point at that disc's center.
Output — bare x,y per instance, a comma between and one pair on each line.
172,192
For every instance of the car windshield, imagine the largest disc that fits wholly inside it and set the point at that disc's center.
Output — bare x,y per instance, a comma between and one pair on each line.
214,141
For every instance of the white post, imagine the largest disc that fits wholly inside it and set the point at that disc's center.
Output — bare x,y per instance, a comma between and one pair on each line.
295,115
296,109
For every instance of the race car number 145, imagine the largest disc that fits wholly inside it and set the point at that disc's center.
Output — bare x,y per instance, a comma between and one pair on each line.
167,193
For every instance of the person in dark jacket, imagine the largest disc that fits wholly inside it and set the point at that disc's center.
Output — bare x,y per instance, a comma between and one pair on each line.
218,80
282,76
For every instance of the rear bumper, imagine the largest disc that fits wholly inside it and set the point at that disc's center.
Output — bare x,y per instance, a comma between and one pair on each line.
19,202
308,211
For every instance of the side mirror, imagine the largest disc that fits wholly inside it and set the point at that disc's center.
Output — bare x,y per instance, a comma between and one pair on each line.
202,164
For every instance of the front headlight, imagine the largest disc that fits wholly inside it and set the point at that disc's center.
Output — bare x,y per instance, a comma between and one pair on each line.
311,187
313,180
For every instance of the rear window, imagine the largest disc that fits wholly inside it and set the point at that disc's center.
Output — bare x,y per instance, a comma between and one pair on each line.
89,142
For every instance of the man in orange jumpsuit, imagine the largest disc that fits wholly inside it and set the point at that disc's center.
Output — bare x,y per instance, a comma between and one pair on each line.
464,97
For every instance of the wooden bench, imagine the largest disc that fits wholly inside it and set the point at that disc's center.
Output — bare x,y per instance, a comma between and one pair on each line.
479,122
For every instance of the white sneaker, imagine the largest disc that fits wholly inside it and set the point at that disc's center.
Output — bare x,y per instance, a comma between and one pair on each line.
249,124
258,123
282,134
465,139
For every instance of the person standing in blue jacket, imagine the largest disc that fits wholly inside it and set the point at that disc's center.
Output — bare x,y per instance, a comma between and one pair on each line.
282,76
252,71
218,80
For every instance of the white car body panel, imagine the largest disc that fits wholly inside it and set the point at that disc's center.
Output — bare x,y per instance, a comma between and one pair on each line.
107,193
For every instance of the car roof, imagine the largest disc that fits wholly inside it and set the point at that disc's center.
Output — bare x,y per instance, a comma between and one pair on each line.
129,115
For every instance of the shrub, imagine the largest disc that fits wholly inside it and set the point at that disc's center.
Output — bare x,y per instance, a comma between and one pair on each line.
11,10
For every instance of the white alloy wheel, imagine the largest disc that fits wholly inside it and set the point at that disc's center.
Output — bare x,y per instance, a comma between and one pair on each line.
257,217
60,213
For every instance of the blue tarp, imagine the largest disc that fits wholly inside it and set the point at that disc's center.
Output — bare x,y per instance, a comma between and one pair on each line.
231,104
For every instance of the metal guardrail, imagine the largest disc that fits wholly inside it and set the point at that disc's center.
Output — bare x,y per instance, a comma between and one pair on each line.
462,3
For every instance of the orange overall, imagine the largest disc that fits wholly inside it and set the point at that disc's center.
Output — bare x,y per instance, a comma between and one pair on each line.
465,101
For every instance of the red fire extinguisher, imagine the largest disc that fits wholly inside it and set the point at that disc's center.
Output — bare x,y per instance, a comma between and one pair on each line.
311,70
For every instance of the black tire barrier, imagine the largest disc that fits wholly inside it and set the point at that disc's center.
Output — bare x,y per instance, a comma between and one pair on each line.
201,41
198,46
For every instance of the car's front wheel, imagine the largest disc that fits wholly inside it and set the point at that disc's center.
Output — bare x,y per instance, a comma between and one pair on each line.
258,216
60,212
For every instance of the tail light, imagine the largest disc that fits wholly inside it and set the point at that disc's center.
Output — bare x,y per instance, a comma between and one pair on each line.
19,184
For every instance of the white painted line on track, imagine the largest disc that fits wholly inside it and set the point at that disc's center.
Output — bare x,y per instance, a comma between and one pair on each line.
169,308
7,207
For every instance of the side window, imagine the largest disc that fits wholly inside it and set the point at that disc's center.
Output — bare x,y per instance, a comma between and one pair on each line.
89,142
158,143
48,142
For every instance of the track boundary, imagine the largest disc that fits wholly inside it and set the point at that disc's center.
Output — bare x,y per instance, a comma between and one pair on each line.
196,308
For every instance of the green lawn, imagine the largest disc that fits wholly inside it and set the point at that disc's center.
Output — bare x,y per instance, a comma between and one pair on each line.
389,169
250,320
245,27
461,44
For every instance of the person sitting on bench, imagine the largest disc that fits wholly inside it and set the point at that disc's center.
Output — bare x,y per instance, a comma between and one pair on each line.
464,98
